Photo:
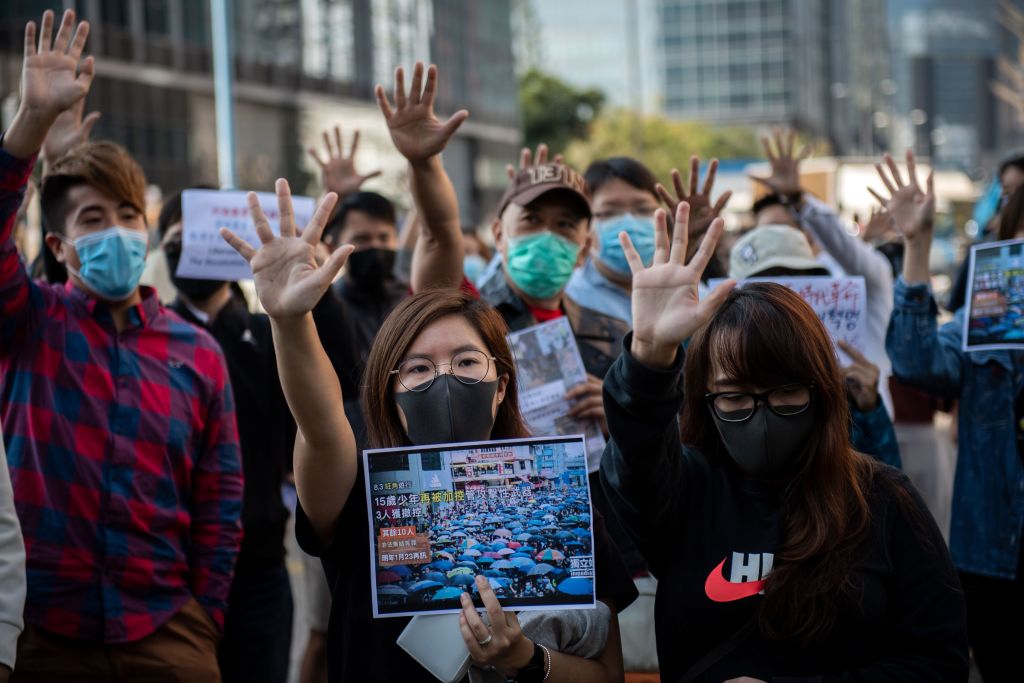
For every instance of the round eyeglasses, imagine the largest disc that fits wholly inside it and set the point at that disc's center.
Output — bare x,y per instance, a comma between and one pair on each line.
468,367
737,406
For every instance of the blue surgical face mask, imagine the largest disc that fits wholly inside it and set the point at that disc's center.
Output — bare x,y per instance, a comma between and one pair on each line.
640,230
111,261
473,267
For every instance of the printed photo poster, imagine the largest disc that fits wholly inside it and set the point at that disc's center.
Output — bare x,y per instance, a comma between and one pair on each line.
548,364
840,302
516,511
204,253
995,297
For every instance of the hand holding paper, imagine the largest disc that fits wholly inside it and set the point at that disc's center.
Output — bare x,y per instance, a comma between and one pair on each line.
289,281
501,645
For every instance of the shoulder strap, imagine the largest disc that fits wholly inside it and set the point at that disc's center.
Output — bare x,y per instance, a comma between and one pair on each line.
717,654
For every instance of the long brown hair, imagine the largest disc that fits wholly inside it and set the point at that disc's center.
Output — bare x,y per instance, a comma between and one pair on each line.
396,335
766,335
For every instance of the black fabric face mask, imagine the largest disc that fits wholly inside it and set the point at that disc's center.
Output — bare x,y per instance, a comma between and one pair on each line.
194,289
369,268
449,411
767,444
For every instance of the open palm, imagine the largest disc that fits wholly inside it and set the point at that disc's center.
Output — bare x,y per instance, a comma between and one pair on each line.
912,209
416,131
338,173
51,81
289,282
666,307
702,211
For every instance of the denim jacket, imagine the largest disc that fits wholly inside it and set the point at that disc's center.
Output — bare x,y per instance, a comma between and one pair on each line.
988,492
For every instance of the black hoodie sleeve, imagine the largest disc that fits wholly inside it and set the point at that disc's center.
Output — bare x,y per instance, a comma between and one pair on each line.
643,468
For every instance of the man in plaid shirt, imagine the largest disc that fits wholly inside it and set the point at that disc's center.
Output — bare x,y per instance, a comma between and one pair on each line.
118,416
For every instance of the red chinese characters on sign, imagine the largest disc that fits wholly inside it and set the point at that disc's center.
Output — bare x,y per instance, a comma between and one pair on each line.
402,545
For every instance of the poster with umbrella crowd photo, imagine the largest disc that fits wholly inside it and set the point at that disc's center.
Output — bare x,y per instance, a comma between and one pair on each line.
516,511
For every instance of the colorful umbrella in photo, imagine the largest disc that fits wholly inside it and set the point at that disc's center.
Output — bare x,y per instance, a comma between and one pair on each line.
461,571
576,586
421,586
540,570
449,593
502,564
385,576
503,533
550,555
462,579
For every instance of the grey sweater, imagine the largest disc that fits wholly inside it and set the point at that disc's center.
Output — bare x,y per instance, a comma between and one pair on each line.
12,568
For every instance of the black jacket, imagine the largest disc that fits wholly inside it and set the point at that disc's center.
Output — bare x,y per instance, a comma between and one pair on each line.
266,430
709,535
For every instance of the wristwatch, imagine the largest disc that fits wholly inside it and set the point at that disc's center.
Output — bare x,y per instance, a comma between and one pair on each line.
536,671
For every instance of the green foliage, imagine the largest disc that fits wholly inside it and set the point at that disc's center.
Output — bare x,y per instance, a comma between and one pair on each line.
662,144
555,112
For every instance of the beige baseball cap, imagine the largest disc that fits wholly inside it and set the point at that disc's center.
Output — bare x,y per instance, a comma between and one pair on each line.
771,246
533,181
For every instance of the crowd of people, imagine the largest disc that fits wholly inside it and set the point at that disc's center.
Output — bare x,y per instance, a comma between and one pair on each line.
796,517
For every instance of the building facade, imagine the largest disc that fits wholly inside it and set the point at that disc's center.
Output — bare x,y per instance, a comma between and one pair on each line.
300,66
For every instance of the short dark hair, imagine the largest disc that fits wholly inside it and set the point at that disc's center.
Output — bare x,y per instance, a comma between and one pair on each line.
104,165
1011,218
767,201
626,169
372,204
171,213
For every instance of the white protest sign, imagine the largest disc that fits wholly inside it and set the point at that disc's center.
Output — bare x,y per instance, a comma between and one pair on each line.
840,302
204,253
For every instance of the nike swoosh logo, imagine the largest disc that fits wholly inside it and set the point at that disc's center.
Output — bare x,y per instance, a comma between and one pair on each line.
718,589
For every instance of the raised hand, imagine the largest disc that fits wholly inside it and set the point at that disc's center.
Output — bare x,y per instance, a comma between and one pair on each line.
878,227
416,131
702,211
289,281
527,159
51,80
861,378
666,307
785,175
68,131
338,174
912,209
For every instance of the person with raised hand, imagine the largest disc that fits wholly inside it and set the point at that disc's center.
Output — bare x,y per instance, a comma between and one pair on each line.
841,253
624,195
781,533
987,517
338,172
471,395
420,137
130,496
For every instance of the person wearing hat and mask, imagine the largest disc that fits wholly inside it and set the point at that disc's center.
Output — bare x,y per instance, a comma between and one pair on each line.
840,252
782,251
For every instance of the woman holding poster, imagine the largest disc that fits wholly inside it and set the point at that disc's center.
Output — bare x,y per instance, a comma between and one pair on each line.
781,553
440,372
987,517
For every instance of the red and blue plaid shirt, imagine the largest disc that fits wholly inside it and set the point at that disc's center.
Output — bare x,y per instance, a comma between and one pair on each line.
123,452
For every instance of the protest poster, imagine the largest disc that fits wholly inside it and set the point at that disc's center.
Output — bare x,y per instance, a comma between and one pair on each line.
548,364
840,302
995,297
204,253
515,511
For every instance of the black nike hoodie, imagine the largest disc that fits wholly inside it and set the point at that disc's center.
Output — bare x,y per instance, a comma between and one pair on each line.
709,534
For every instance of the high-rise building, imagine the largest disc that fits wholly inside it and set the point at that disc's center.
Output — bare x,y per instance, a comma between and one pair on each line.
300,66
746,61
944,61
605,44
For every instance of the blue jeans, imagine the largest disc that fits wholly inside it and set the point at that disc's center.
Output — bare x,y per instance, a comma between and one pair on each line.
258,633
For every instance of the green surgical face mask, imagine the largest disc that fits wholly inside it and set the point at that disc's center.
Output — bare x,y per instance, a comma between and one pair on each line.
541,264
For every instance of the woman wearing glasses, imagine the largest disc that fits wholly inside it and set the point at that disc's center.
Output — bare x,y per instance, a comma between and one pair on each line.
440,371
782,554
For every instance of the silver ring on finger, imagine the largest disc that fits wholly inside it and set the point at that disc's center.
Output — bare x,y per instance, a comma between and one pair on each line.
489,638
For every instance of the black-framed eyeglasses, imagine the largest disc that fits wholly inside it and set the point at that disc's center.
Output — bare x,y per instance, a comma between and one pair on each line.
738,406
469,367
